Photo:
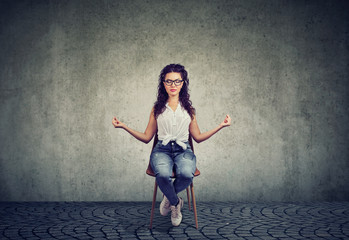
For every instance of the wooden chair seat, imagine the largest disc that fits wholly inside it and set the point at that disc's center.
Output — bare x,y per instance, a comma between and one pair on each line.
150,172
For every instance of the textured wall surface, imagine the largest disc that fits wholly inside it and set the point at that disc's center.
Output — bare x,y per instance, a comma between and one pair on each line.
279,68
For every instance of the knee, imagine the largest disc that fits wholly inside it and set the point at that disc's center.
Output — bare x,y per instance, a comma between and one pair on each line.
163,176
185,174
186,169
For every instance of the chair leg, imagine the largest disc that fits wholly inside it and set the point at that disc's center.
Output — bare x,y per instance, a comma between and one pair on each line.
153,205
194,205
188,196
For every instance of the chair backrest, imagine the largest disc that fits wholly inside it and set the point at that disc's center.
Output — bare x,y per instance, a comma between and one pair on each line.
150,171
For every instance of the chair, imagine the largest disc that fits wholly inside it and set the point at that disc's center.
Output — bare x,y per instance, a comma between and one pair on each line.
151,173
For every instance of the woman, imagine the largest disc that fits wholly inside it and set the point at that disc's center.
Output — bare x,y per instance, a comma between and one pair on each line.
173,118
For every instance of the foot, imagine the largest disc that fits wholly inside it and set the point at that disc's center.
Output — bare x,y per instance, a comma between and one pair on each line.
176,215
164,206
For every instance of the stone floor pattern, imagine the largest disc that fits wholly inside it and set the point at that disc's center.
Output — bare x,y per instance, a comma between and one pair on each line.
130,220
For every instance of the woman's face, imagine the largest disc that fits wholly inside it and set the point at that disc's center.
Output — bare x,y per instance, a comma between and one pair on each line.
173,89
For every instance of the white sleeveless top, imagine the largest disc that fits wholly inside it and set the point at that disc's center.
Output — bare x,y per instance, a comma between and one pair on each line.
174,126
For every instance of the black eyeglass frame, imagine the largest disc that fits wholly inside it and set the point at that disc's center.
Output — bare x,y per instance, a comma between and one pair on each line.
169,82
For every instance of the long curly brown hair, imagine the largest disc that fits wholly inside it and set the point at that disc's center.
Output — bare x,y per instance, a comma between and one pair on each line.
162,97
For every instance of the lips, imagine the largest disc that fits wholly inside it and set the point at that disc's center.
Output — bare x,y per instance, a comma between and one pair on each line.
173,90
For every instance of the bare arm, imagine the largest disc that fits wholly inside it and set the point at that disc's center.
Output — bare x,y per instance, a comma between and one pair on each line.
200,137
144,137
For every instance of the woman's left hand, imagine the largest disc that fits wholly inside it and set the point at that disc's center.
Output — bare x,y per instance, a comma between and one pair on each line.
226,122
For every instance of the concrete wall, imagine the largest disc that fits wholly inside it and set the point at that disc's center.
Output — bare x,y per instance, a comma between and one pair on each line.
279,68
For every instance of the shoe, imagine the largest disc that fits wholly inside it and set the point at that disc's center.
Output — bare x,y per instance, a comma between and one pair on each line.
176,215
164,206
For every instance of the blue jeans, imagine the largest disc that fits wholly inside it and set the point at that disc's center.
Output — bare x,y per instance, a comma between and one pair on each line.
164,159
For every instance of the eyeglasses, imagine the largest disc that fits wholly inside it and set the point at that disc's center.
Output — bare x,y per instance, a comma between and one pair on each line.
169,82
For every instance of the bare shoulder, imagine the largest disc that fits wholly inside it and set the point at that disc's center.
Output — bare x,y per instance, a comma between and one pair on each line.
152,114
193,120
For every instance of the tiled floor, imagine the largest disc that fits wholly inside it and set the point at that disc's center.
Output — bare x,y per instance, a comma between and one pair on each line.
130,220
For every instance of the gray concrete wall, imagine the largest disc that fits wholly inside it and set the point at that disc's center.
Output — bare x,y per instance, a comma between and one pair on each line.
279,68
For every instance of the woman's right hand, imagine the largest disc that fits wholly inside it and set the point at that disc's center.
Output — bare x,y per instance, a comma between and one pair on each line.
144,137
117,123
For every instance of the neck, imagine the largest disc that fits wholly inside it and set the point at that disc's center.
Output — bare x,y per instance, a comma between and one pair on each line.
173,99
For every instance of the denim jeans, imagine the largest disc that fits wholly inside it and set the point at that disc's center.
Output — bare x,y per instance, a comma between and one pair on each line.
164,159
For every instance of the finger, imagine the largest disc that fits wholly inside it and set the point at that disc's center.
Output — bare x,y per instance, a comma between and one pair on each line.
226,119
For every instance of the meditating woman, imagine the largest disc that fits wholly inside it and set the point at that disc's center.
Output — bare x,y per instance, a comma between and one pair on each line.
173,118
